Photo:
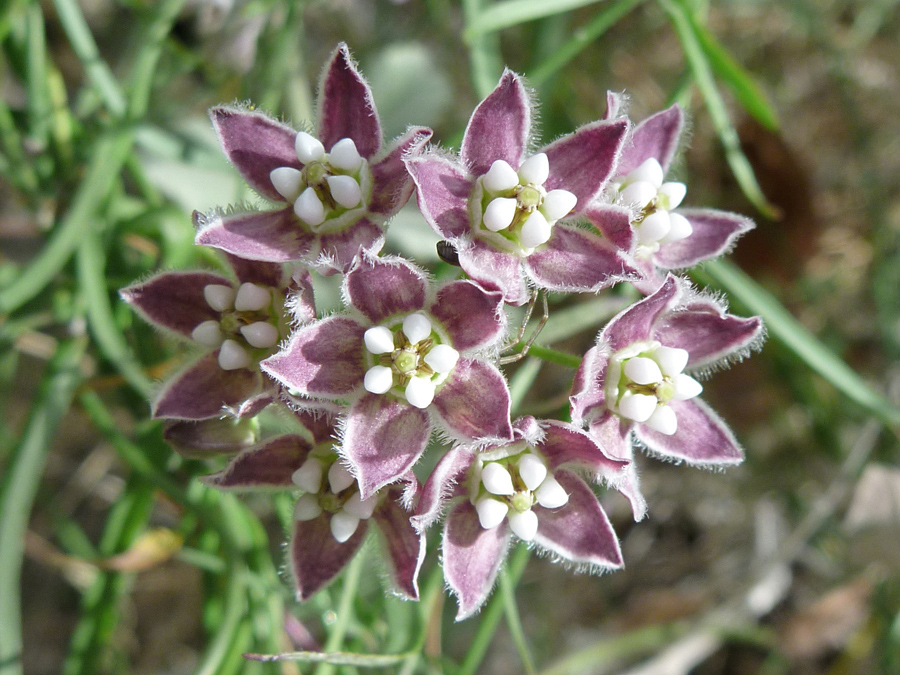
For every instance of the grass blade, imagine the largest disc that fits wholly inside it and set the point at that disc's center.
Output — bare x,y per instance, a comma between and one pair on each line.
502,15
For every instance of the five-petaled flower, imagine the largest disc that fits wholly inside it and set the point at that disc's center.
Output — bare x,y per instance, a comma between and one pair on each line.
338,188
500,209
405,353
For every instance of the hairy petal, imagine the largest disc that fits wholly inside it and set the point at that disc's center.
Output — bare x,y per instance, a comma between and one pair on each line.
405,547
474,402
174,300
707,334
614,223
323,359
564,444
495,270
637,321
269,465
657,137
204,390
577,261
714,233
273,236
499,128
339,249
382,439
316,557
588,395
443,483
257,272
256,144
471,557
392,186
442,193
701,438
583,161
580,530
382,288
473,317
202,439
346,106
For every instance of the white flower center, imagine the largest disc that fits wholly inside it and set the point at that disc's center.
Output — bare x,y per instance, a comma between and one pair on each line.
643,378
408,358
653,201
248,326
329,488
328,186
507,489
513,208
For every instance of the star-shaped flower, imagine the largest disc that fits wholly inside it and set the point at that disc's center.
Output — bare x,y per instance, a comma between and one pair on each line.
337,189
238,322
633,383
404,354
502,210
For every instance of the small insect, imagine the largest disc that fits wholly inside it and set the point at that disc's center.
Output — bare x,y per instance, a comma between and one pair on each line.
447,252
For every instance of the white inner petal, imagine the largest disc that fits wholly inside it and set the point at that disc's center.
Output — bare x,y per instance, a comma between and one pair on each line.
343,526
309,208
260,334
379,340
643,370
345,191
532,470
378,380
309,476
499,213
653,227
339,479
361,508
344,155
535,169
637,407
500,177
416,327
686,387
650,170
233,356
208,334
496,479
442,358
252,298
679,228
287,181
663,420
557,204
671,360
420,391
524,525
308,148
219,297
491,512
671,195
307,508
535,231
551,495
638,194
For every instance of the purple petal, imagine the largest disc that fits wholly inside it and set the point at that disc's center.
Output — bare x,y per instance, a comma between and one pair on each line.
701,437
316,557
273,236
346,106
657,137
301,302
204,390
256,144
583,161
577,261
392,186
339,249
405,547
381,288
323,359
319,422
472,317
636,322
613,434
614,223
499,128
252,406
615,103
588,395
563,444
257,272
203,439
495,270
579,531
269,465
471,557
474,402
442,192
383,437
715,232
444,482
707,333
174,300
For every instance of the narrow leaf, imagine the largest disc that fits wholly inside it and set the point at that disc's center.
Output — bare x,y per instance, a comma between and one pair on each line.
513,12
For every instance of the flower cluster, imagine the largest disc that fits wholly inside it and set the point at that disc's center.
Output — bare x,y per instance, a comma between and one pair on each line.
409,365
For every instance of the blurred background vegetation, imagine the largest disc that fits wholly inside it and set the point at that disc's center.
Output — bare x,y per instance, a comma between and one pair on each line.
114,559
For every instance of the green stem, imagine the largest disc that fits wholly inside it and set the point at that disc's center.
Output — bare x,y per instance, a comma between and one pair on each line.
19,488
484,51
514,621
352,576
554,356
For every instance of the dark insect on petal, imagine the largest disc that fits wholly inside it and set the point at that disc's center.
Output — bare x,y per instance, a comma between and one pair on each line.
447,252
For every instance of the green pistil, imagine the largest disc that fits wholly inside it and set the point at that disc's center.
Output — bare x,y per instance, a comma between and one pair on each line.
522,501
405,361
316,173
529,198
665,390
331,503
